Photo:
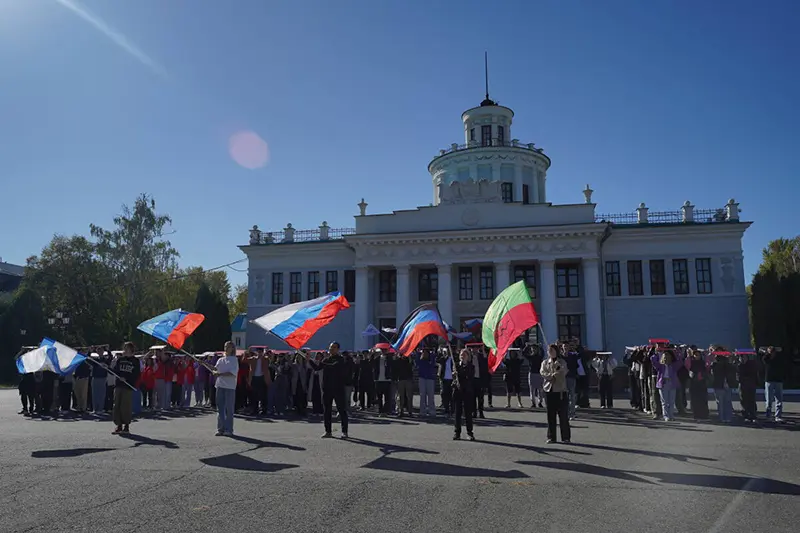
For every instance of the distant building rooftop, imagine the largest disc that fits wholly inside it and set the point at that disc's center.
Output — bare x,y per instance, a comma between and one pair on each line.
10,276
239,324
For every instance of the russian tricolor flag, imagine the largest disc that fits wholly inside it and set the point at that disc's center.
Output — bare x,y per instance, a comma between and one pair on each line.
298,322
423,321
172,327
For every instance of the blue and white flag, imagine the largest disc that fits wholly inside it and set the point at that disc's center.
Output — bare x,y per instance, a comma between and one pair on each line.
52,356
371,331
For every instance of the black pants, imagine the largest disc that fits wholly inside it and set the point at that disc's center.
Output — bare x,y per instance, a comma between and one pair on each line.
447,395
147,398
27,401
300,401
699,393
606,387
558,407
644,392
582,391
109,402
636,395
383,394
65,395
463,403
177,394
45,399
340,399
365,395
258,394
747,397
477,402
680,398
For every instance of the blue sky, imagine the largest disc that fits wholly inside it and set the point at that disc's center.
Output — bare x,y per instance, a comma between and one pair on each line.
659,102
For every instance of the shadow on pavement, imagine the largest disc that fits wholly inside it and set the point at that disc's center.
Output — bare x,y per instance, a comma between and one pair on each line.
536,449
266,444
387,449
411,466
583,468
73,452
236,461
648,453
141,440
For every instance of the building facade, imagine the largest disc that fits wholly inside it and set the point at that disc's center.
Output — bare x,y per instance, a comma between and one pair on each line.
10,278
239,331
609,280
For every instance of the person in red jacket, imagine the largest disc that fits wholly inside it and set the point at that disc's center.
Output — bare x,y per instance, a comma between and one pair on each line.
188,382
177,383
147,383
242,389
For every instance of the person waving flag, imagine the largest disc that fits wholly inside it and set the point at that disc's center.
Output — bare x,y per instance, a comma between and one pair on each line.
423,321
510,315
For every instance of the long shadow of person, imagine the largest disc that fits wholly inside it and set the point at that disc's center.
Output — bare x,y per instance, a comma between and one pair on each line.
238,461
141,440
73,452
388,448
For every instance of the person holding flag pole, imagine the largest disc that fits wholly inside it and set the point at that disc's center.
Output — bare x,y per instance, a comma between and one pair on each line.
127,369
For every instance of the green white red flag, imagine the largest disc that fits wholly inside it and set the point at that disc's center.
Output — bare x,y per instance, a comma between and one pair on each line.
510,315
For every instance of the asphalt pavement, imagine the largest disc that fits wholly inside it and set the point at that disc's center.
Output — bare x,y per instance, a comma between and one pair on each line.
623,472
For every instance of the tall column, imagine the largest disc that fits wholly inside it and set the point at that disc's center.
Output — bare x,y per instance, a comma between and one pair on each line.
547,300
591,300
403,294
533,194
502,275
517,183
361,316
446,292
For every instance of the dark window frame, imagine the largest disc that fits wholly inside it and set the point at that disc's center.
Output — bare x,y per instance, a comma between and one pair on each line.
313,284
680,276
350,285
526,197
387,286
277,288
569,327
565,276
501,135
295,287
331,281
428,285
613,279
658,277
472,135
465,283
507,192
486,135
635,278
486,283
702,269
528,274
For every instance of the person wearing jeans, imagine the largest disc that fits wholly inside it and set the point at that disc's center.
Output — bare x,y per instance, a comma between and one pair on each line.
774,368
226,371
723,377
426,365
665,367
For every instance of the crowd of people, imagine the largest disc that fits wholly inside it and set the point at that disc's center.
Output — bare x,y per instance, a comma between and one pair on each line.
263,383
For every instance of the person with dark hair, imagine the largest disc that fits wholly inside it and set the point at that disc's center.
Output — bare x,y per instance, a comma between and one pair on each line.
513,377
463,393
698,388
27,392
774,374
334,369
226,372
127,369
446,364
533,354
748,383
554,373
724,380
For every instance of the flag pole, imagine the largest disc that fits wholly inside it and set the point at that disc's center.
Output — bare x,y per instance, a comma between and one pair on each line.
539,324
101,365
184,352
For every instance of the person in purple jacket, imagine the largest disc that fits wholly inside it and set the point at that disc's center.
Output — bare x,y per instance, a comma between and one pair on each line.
666,366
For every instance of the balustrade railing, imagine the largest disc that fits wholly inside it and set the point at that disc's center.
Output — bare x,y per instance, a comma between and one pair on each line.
491,143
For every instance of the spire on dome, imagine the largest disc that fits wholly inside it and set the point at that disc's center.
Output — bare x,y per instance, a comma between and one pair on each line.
487,101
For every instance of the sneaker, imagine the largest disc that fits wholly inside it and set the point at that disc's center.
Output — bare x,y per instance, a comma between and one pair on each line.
327,436
471,436
566,441
126,429
117,430
219,434
549,441
779,420
456,437
344,435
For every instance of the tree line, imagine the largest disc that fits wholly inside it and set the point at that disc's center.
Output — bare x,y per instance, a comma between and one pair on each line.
96,289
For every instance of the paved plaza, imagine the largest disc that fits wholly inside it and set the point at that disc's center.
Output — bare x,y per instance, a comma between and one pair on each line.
623,472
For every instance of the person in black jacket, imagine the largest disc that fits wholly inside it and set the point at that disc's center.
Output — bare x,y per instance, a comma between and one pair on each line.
334,376
774,370
446,373
748,383
127,369
382,371
513,377
27,392
366,381
481,382
463,393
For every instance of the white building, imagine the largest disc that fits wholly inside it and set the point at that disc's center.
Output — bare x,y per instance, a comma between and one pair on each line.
610,280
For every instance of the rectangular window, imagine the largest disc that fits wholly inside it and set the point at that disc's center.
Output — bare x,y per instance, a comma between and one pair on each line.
472,134
501,135
428,285
295,287
486,274
507,191
635,287
313,285
486,135
525,196
567,282
387,286
331,281
465,283
613,282
528,274
277,288
658,280
680,276
350,285
703,271
569,328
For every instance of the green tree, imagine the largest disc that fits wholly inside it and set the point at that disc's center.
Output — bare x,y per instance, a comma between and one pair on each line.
140,259
70,278
216,328
238,301
23,323
782,256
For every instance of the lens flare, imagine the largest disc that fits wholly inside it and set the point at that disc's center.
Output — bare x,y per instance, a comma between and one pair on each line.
248,149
